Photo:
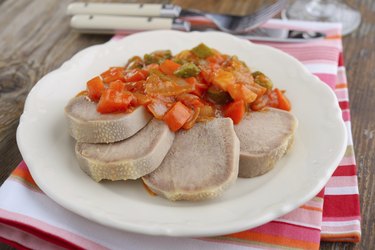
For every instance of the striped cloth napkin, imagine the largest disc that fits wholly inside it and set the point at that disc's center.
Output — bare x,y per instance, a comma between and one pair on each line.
30,219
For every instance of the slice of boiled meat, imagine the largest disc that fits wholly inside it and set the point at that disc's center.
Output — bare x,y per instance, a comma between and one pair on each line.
88,125
265,137
201,164
128,159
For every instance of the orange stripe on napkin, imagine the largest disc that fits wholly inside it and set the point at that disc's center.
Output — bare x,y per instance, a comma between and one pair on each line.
341,86
311,208
346,237
22,174
272,240
334,37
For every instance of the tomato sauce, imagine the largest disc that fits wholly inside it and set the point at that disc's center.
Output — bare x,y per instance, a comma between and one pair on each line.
192,86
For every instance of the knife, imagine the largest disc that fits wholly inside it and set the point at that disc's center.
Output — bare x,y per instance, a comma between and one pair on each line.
106,24
124,9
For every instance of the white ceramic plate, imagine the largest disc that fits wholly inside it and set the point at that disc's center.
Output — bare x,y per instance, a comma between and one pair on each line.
48,149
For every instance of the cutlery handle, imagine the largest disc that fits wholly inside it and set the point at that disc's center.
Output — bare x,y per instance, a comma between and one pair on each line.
112,24
124,9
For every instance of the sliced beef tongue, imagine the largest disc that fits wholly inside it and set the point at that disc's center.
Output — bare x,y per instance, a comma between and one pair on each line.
88,125
201,164
265,137
128,159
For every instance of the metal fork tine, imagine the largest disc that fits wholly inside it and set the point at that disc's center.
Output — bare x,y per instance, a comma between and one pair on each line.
242,24
270,9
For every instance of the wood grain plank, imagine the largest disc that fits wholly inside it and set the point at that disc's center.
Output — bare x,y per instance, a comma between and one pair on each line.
33,46
360,62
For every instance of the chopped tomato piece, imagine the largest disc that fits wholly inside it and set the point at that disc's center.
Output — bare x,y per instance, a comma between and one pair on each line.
214,67
177,116
113,74
283,101
95,88
117,85
190,100
207,71
192,80
114,101
216,58
235,111
274,99
206,75
239,91
136,75
135,86
141,99
199,88
223,79
168,67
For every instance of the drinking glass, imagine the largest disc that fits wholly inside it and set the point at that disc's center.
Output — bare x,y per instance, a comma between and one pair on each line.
326,11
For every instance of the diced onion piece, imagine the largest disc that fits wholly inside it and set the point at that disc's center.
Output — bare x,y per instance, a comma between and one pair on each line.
206,113
193,118
141,99
158,108
257,89
155,86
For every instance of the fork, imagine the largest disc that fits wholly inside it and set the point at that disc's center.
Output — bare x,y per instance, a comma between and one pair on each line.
240,24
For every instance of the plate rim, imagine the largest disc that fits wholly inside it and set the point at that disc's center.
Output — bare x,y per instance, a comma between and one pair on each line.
286,206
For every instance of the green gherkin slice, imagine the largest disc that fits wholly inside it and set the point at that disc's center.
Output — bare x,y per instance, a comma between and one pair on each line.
187,70
202,51
262,80
157,56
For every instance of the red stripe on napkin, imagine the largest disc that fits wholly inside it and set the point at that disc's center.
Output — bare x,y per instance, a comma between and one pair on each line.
341,206
349,170
52,238
344,105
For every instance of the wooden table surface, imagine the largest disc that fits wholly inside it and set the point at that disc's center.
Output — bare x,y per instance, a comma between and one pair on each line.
35,38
